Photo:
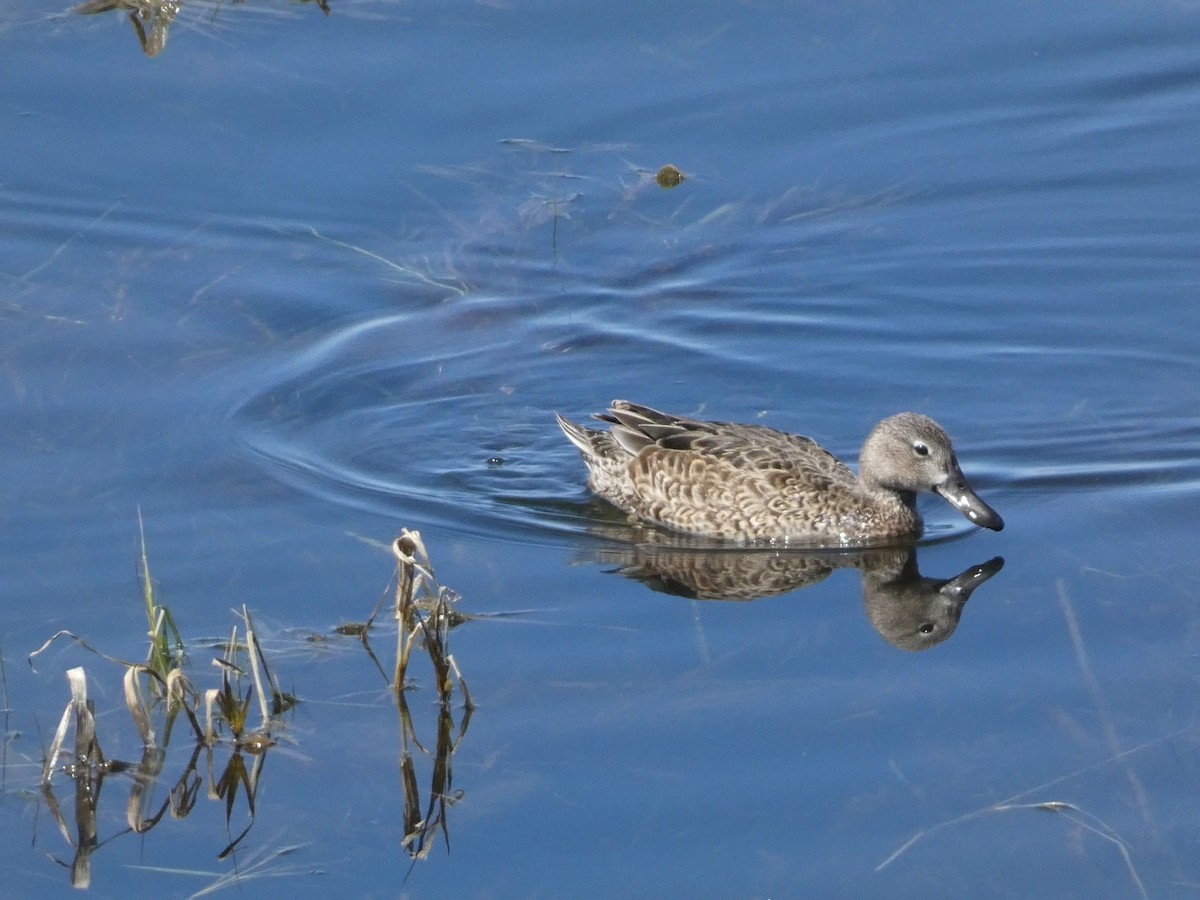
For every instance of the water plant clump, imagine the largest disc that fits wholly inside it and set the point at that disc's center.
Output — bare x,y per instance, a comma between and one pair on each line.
243,717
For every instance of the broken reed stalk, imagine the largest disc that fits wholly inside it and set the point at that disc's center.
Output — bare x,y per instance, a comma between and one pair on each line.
87,750
87,747
405,549
139,710
211,702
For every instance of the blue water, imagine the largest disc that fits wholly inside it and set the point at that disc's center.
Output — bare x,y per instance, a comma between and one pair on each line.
300,281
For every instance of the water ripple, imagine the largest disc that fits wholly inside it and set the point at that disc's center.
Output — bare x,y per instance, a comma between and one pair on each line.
815,311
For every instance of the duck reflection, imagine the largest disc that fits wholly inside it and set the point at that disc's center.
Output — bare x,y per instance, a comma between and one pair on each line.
908,610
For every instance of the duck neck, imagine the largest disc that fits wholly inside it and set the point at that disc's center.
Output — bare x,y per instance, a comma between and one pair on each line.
905,505
907,499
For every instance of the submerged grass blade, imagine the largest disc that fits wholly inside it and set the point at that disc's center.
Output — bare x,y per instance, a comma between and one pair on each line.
1100,702
1100,828
7,714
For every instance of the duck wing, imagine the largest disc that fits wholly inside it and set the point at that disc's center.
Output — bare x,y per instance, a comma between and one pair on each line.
735,447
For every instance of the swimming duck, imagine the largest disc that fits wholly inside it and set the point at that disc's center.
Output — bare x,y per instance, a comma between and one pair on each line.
753,483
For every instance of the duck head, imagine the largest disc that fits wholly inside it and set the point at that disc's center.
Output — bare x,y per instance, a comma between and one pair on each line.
910,453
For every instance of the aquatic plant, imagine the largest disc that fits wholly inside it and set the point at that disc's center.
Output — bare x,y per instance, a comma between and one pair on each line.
222,718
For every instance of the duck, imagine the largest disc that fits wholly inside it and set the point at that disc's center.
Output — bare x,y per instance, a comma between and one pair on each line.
751,483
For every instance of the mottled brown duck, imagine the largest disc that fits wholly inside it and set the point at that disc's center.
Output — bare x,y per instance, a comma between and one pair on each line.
753,483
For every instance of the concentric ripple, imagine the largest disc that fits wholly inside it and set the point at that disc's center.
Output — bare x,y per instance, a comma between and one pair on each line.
796,311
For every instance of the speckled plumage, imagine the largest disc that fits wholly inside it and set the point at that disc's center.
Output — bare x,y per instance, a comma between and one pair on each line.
750,482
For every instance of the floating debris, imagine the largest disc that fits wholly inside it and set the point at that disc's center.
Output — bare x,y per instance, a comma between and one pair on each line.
670,176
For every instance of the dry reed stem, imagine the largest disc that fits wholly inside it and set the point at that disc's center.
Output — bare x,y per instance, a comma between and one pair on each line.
253,651
136,704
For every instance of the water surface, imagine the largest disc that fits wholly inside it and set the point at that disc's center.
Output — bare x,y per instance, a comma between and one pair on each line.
299,281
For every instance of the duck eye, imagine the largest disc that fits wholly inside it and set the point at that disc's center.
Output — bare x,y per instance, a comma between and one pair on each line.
920,449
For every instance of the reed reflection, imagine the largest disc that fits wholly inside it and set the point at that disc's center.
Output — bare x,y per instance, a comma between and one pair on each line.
152,19
426,612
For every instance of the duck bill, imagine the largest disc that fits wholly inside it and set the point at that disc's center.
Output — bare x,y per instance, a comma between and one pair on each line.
962,585
958,494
